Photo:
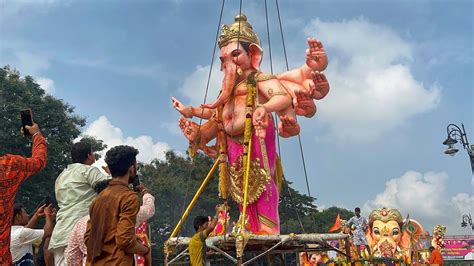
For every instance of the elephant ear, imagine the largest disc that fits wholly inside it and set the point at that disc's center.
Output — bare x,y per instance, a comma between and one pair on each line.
256,55
368,235
412,229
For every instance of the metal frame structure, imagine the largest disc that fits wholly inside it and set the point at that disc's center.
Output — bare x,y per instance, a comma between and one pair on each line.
260,244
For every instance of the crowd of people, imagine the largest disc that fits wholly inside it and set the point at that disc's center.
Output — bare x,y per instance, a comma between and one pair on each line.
97,217
99,213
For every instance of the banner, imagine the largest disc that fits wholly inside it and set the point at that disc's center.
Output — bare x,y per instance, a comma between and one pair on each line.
458,247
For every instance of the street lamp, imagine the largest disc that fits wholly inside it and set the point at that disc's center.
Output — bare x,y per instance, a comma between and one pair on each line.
467,220
455,135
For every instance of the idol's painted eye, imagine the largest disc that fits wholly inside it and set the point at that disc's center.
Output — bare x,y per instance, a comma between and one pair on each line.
236,53
395,231
376,231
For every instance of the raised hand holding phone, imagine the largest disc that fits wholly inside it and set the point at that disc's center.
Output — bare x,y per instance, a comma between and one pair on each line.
26,120
29,128
136,183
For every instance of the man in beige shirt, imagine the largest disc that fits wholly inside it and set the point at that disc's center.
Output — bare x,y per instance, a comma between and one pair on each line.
74,190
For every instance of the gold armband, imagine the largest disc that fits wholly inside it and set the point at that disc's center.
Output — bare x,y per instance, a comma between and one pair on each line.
264,77
272,93
188,112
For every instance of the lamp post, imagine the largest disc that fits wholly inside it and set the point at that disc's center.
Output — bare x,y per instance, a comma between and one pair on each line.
467,220
455,135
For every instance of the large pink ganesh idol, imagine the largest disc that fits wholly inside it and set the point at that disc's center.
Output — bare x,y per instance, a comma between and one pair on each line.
241,119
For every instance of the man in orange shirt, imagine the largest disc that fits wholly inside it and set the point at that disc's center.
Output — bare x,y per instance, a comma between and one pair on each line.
435,257
14,169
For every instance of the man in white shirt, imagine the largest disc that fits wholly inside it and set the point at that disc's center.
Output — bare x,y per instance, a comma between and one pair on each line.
23,233
74,190
359,224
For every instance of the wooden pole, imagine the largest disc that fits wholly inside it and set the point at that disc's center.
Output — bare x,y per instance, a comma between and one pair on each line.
246,184
193,201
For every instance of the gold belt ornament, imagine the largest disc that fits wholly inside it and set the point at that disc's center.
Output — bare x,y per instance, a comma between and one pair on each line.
257,183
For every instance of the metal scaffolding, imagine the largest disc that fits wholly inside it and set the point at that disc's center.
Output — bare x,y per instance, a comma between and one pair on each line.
259,245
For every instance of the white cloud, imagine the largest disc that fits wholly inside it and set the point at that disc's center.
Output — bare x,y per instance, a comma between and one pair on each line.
464,203
372,88
194,86
423,196
29,63
32,64
113,136
46,84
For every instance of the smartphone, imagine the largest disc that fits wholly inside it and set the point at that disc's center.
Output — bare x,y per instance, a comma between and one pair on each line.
26,120
136,183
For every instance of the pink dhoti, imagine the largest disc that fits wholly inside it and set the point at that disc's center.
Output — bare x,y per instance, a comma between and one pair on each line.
262,208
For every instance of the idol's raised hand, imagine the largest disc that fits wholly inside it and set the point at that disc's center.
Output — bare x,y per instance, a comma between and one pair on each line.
316,57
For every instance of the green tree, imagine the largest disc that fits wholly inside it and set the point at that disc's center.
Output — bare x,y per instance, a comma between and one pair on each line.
299,214
297,211
57,121
326,218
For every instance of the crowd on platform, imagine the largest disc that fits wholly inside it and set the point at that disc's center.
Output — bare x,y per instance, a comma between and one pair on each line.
98,215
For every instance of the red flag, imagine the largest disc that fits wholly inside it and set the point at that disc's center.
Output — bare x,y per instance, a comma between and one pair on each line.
337,224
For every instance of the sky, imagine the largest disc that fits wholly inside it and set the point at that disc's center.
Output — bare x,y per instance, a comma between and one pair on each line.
400,72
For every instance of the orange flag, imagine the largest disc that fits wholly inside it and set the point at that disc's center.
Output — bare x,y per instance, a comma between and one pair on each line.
337,224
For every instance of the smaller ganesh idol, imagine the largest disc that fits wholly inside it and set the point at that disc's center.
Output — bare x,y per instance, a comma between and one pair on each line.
390,236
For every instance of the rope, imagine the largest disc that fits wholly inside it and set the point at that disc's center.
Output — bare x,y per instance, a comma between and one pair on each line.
212,61
304,165
193,166
276,127
268,37
287,68
282,37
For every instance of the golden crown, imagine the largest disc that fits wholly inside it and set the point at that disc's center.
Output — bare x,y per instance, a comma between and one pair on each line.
384,214
231,33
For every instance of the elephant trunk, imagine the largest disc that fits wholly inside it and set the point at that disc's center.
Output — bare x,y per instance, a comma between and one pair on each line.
230,76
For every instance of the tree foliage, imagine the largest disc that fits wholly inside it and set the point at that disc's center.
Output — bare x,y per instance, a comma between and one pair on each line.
57,121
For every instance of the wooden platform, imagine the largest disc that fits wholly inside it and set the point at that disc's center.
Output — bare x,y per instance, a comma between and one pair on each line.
258,244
